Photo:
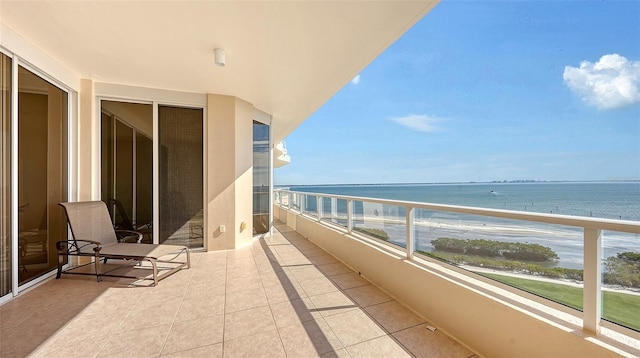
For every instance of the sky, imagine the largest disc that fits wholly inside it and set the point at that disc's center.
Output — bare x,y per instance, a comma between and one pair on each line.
485,91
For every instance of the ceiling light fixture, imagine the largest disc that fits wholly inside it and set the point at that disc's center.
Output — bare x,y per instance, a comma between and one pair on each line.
220,57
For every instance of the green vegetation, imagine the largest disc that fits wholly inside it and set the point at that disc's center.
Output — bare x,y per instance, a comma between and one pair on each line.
507,265
377,233
490,248
618,307
623,269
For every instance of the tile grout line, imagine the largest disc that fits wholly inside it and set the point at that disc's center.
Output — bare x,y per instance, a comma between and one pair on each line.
164,344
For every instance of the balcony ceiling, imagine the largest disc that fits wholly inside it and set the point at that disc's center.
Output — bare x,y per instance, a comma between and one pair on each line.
286,58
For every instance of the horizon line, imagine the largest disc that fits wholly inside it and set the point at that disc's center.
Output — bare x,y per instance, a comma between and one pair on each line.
517,181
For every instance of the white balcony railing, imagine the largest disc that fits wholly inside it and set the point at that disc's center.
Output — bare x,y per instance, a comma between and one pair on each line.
587,232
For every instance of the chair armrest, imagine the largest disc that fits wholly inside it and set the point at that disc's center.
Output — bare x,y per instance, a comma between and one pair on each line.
124,234
63,245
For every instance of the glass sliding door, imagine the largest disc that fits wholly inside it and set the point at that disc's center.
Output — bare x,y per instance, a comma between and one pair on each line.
261,178
181,199
42,173
127,165
5,175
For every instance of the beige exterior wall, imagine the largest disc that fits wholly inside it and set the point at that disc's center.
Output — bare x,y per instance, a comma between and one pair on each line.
230,174
472,312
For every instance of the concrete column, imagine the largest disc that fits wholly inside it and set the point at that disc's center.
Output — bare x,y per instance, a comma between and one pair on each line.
88,142
230,172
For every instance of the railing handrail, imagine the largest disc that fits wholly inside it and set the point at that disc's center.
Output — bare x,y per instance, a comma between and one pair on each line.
627,226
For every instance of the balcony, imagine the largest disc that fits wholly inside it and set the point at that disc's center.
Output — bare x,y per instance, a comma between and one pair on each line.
282,296
493,318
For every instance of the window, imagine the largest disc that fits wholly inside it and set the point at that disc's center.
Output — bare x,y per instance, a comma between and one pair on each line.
261,178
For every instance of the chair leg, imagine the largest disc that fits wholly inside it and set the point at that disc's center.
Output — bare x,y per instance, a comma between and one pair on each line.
155,272
60,261
97,264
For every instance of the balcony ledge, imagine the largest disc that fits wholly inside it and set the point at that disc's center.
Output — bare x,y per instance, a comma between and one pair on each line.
488,318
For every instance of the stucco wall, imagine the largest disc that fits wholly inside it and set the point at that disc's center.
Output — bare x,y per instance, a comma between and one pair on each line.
480,318
230,175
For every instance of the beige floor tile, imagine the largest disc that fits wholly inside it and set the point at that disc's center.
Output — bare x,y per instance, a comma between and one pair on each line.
28,336
209,277
354,327
295,260
211,264
289,312
276,239
265,344
246,299
158,312
349,280
393,316
210,351
308,339
340,353
114,301
60,348
243,283
139,343
248,323
367,295
317,286
204,291
378,347
241,263
308,272
305,245
270,278
198,307
425,343
284,292
314,252
162,293
335,269
331,303
323,260
284,249
85,327
241,272
194,333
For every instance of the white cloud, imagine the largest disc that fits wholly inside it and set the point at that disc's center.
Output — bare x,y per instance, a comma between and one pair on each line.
421,123
356,80
612,82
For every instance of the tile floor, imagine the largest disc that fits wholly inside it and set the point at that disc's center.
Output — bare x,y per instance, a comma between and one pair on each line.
281,297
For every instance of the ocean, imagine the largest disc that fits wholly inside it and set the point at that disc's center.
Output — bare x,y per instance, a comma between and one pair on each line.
610,200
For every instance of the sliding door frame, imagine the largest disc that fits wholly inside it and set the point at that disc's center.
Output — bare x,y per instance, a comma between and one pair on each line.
155,97
71,155
266,119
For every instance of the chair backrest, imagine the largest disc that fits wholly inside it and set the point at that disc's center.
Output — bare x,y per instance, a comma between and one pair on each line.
89,220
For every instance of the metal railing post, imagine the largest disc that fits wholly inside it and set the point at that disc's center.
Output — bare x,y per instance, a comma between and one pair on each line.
319,207
349,216
592,292
410,227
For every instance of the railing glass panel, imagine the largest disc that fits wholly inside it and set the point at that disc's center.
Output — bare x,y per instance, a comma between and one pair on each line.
621,278
310,205
381,221
334,211
543,259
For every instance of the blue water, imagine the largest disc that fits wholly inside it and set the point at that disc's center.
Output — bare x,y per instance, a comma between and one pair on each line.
610,200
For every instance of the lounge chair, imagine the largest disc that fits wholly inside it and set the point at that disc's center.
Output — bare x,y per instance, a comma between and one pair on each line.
94,236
